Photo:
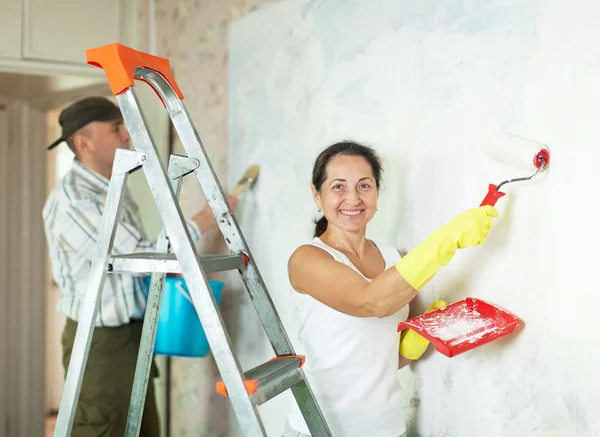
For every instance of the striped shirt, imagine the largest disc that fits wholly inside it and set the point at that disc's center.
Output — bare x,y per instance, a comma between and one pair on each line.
72,215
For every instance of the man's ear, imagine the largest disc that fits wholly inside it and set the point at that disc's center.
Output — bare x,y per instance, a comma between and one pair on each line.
82,144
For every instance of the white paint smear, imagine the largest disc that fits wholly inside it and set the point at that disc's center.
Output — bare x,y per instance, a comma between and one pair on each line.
457,331
459,324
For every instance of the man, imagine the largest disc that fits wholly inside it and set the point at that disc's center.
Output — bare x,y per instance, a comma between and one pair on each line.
93,129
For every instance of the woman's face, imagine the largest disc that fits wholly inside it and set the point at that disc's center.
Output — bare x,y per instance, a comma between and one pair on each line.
348,197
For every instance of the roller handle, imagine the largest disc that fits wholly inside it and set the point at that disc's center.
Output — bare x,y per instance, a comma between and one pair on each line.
492,196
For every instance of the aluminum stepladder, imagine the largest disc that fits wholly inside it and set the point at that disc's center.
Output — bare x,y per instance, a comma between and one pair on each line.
176,253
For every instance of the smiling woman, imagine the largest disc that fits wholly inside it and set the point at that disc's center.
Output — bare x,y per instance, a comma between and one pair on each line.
350,293
358,192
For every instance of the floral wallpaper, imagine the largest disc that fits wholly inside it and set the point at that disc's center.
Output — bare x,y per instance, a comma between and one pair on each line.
193,35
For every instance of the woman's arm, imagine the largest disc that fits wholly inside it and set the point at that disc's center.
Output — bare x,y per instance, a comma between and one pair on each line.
314,272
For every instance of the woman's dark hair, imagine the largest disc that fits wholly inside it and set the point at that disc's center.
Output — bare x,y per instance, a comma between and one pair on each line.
349,148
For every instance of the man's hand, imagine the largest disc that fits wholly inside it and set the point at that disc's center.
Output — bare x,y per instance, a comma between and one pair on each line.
205,219
233,200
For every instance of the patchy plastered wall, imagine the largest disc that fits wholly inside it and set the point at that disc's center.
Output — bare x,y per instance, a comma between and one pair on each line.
427,83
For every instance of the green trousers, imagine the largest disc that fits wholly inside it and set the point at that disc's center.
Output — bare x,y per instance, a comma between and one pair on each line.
108,382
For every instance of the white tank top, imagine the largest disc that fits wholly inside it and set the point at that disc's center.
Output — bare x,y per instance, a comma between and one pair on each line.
351,363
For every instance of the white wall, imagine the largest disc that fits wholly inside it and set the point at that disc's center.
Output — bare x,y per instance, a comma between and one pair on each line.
426,83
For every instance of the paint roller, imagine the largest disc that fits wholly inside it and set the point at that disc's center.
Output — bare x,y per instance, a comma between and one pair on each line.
517,152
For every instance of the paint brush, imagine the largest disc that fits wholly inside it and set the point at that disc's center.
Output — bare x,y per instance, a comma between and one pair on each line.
247,181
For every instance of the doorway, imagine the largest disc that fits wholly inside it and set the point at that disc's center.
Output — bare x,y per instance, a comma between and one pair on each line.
30,382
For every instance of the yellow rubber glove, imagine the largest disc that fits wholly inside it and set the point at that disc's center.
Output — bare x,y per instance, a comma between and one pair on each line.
414,345
467,229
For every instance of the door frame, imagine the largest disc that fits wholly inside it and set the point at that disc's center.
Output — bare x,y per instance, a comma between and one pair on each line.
22,186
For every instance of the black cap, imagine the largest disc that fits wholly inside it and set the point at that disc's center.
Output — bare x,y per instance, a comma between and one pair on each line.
83,112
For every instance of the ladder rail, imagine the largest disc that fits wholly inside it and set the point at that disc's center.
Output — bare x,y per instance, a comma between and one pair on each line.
125,162
182,245
145,355
141,377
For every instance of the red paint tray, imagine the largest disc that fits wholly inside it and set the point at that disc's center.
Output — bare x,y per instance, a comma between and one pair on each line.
462,326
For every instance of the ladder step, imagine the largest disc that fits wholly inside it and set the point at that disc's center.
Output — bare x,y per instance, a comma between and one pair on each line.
147,262
266,381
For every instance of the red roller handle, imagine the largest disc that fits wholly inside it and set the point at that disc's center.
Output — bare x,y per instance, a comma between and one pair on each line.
492,196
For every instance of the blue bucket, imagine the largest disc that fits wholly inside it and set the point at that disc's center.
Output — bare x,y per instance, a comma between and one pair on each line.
179,332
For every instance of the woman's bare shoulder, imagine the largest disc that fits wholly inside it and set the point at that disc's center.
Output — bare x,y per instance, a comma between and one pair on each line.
306,263
308,253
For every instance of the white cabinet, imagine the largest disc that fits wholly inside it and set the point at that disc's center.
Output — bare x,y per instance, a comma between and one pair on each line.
10,28
63,30
52,36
